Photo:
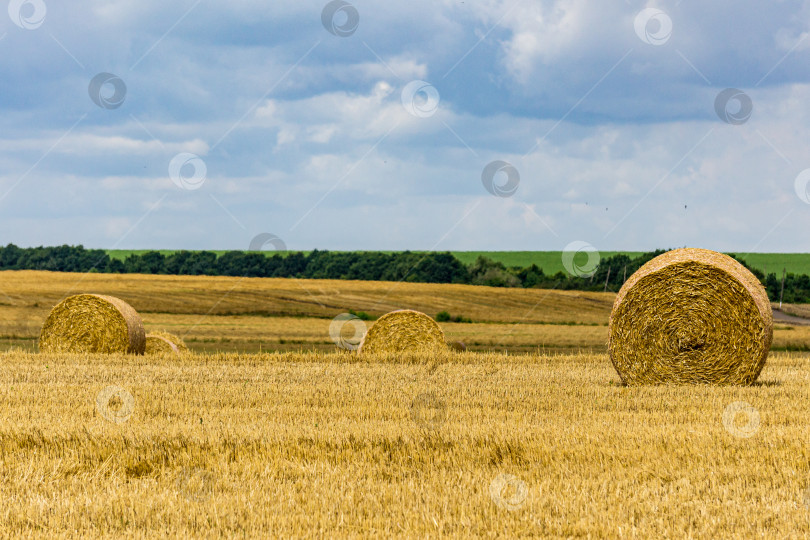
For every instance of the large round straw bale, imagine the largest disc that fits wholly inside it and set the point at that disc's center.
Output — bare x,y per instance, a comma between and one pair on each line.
403,330
691,316
93,323
158,342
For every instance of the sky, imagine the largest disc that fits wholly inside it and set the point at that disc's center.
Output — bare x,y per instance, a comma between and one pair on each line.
422,125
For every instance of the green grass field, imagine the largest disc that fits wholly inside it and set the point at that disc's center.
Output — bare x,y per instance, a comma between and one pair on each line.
773,263
551,261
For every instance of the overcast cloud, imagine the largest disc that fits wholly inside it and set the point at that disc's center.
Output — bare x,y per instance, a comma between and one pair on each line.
606,111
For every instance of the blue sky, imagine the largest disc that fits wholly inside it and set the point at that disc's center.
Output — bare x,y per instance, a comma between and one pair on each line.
606,113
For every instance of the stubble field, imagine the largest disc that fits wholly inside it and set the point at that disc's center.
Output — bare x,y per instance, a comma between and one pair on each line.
529,435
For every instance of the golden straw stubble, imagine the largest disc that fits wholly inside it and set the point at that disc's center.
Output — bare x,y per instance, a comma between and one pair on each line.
93,323
401,331
158,342
691,316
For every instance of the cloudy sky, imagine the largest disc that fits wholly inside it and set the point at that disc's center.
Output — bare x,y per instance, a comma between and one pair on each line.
463,125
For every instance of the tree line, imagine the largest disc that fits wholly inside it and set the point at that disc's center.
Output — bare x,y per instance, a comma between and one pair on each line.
433,267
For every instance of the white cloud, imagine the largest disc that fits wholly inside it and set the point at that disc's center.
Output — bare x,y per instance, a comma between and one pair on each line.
615,162
359,117
88,144
136,183
322,134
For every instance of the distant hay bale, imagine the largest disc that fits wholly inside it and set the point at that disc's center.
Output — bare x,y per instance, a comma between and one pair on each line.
92,323
457,346
691,316
159,345
401,331
158,342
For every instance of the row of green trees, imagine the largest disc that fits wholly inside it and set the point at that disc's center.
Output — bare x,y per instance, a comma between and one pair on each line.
431,267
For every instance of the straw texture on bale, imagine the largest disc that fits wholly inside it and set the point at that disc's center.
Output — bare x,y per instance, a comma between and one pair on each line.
164,342
401,331
691,316
93,323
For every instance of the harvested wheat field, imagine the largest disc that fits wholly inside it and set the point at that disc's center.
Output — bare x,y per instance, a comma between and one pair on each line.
528,433
464,445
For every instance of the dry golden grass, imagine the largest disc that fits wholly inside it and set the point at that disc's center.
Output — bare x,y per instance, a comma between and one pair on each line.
241,333
294,445
248,315
35,292
799,310
332,444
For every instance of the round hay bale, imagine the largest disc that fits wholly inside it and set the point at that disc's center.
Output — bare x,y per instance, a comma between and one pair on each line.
164,342
690,316
457,346
403,330
93,323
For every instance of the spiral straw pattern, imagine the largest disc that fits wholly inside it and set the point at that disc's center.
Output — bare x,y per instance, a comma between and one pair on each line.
691,316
